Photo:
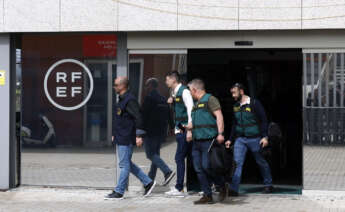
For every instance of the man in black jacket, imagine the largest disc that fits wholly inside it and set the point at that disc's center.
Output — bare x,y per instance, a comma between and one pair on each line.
155,116
127,131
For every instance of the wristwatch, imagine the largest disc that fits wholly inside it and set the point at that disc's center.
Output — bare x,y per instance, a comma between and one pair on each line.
222,133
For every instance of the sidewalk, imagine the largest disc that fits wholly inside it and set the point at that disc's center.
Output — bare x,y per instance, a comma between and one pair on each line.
56,199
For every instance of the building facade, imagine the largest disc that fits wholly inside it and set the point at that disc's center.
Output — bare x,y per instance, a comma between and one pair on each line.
66,53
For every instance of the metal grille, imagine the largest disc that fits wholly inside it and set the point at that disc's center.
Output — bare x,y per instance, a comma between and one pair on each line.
323,98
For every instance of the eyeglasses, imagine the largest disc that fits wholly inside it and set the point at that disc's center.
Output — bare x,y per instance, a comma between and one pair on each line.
115,85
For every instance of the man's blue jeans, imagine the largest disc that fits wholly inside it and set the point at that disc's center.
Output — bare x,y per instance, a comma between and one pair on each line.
127,166
242,144
152,149
183,148
201,164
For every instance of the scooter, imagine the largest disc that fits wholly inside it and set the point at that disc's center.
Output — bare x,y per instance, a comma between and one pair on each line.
48,139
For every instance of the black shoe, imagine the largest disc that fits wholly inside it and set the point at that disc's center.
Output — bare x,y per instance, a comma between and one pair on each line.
114,195
149,188
268,190
204,200
222,194
232,193
168,177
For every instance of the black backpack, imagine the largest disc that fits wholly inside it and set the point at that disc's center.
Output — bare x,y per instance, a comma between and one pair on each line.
274,137
274,131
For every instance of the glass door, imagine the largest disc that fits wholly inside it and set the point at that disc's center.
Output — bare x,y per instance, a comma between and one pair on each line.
96,113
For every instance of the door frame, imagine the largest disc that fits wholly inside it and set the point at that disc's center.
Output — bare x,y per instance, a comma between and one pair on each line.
110,71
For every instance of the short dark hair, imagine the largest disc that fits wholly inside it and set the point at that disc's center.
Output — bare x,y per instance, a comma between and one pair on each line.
240,86
174,74
153,82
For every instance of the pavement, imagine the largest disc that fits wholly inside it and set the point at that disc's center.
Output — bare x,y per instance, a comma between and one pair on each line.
76,179
39,199
82,167
323,166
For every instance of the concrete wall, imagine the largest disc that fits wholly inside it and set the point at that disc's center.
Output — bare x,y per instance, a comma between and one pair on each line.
319,39
170,15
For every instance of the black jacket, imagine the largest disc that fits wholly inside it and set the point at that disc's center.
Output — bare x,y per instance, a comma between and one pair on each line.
155,114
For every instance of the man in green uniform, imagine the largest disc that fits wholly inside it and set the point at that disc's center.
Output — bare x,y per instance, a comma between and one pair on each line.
207,126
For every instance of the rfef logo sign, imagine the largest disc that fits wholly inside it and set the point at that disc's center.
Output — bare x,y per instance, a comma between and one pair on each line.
67,85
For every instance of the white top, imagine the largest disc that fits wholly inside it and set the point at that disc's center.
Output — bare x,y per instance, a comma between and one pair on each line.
187,100
246,102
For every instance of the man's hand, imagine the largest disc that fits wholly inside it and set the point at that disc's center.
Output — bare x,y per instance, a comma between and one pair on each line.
220,139
112,138
170,100
189,136
227,144
139,141
264,142
189,126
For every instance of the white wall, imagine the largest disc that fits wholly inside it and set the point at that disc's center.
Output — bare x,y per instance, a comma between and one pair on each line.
169,15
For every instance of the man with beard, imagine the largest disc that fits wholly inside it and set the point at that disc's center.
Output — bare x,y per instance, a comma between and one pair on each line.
249,131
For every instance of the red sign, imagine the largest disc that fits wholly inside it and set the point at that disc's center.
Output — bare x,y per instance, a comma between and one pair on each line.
99,45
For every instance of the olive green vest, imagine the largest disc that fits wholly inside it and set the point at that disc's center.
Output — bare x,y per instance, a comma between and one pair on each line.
247,123
204,123
181,115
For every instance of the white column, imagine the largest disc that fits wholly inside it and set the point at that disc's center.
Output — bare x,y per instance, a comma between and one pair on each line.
4,111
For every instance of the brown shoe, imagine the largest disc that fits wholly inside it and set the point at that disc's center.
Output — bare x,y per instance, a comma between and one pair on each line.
204,200
222,194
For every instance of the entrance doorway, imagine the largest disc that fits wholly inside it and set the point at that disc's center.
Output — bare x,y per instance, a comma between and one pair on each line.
274,76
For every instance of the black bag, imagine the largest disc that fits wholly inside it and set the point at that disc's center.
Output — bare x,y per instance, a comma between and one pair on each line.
221,159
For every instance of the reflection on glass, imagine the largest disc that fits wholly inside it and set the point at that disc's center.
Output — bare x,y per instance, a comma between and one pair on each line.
96,110
68,85
324,122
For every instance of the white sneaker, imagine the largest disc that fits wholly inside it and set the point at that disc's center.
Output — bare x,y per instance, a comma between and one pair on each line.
175,192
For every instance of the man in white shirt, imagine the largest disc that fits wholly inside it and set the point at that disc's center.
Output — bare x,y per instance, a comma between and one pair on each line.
183,105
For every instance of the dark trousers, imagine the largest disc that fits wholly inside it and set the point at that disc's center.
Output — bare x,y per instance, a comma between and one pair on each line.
183,148
201,164
152,146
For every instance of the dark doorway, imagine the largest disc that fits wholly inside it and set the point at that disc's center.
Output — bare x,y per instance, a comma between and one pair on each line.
274,76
